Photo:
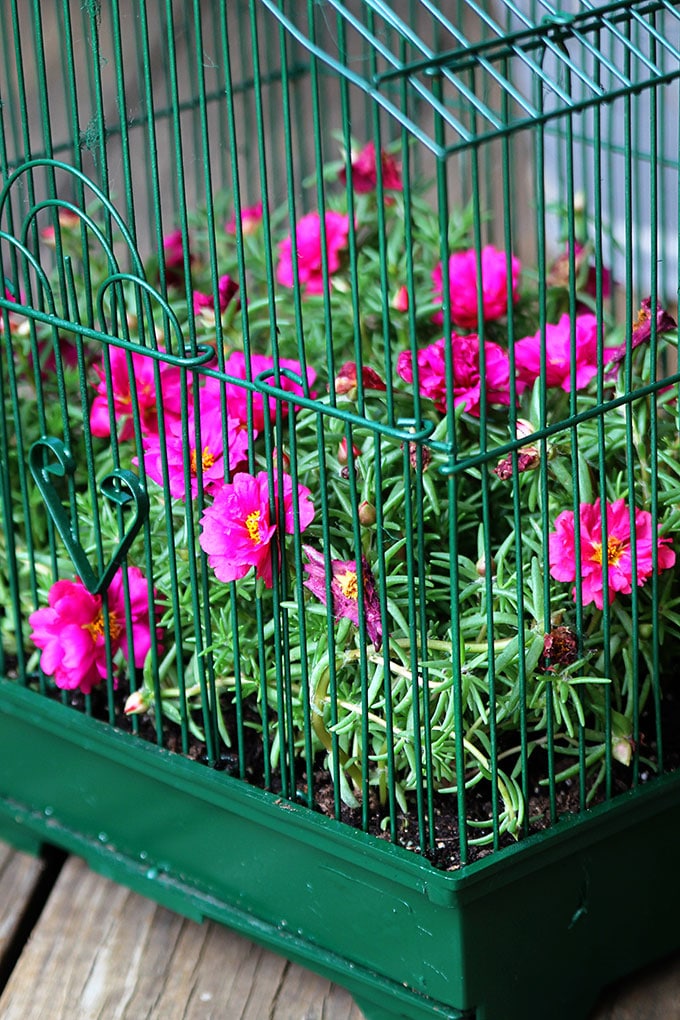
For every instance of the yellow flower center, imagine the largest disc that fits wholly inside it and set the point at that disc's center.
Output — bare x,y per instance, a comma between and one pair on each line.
97,627
349,585
615,550
207,460
253,526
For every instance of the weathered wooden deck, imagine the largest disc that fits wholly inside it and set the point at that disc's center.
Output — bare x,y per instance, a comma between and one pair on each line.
75,946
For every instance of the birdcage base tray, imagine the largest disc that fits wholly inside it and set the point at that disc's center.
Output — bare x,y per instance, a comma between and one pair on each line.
538,929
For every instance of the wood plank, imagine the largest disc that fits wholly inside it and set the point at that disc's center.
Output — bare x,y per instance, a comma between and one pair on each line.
101,952
19,875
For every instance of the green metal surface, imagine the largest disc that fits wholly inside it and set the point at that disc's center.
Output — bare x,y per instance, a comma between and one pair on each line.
368,915
339,418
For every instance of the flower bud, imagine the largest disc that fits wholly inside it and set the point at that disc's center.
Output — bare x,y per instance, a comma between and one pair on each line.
136,703
367,514
400,300
343,455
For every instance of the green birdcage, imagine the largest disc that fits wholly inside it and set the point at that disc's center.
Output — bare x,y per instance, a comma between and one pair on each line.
340,483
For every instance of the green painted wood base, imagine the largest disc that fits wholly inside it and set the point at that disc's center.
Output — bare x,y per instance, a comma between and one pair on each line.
535,931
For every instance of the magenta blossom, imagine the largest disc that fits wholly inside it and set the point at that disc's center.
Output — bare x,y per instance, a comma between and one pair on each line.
365,171
238,396
238,528
345,590
72,630
497,290
618,559
308,250
184,455
558,346
145,388
467,380
251,218
204,304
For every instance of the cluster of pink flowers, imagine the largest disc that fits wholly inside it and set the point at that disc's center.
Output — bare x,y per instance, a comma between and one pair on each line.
78,638
611,568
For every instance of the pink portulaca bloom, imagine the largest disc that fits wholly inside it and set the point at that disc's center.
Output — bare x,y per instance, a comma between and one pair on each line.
238,528
365,171
72,630
184,455
204,304
251,218
238,396
467,380
497,290
345,590
558,342
145,388
308,250
612,567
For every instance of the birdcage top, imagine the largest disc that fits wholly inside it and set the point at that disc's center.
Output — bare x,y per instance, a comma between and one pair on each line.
492,67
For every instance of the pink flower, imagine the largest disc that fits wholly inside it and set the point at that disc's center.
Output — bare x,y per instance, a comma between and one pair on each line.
251,218
173,258
467,381
17,323
618,566
71,631
237,396
345,590
145,388
463,286
558,353
181,455
308,250
204,303
238,528
365,171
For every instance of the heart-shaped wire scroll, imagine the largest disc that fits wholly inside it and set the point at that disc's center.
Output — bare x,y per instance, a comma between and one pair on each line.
49,458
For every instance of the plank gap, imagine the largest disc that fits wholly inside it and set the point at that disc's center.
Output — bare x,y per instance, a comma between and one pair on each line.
52,859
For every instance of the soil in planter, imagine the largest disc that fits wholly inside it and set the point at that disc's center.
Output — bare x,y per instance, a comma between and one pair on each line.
442,849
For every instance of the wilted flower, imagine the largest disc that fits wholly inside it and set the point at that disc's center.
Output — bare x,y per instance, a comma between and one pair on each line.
497,290
346,382
72,631
308,250
365,171
528,457
345,590
238,528
467,380
560,648
585,273
642,329
615,566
